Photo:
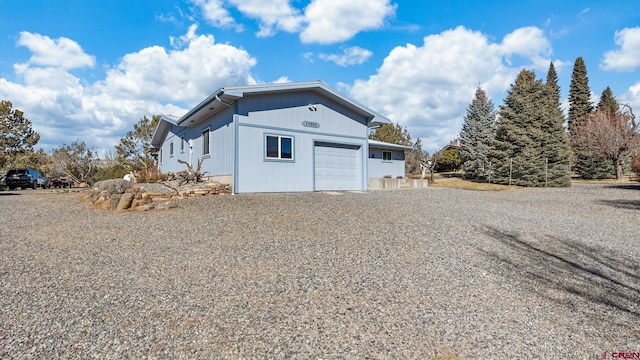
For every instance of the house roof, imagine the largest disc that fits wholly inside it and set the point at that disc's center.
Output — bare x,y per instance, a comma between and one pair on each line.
385,145
225,97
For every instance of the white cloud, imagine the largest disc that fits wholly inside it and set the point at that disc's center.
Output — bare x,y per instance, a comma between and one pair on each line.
215,13
332,21
321,21
529,42
62,52
272,15
282,80
151,81
632,98
428,88
350,56
181,75
627,57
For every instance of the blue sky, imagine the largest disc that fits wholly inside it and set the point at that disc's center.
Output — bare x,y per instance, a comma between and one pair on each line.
89,70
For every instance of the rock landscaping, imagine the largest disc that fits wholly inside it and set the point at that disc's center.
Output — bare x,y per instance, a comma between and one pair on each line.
123,195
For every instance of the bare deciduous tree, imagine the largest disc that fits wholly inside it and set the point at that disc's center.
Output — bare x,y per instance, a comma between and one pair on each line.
76,161
613,135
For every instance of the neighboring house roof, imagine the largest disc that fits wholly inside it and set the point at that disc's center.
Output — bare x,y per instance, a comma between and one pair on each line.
225,97
453,144
382,144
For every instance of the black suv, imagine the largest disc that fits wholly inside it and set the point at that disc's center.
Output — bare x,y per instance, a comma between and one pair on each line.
25,178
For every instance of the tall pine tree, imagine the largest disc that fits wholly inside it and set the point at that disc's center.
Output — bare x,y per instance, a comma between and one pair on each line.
580,109
530,146
478,132
556,148
608,102
17,138
516,154
580,105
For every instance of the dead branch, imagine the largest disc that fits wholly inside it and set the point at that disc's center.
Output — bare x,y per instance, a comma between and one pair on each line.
190,175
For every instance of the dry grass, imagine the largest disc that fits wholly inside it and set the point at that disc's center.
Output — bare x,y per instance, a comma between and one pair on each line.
625,180
458,183
455,181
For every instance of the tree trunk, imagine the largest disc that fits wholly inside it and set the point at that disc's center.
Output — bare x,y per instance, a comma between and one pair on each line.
619,174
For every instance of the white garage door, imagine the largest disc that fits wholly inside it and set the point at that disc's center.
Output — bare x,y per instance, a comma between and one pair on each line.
337,167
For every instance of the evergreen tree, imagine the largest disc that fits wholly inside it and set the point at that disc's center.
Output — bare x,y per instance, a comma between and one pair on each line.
531,146
518,152
556,147
134,150
17,138
478,132
393,134
608,102
580,105
589,166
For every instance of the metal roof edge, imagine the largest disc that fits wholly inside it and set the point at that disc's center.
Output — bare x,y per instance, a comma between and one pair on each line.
382,144
161,130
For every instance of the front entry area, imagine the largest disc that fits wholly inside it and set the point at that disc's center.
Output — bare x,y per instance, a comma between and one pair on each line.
337,166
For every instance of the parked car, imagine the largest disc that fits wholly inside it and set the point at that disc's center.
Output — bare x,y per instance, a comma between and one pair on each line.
25,178
60,182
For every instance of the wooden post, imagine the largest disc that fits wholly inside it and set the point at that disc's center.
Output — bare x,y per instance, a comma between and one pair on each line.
510,169
546,171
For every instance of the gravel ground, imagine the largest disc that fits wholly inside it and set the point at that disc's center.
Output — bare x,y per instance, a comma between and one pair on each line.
425,273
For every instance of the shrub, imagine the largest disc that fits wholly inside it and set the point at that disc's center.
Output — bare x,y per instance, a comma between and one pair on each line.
151,177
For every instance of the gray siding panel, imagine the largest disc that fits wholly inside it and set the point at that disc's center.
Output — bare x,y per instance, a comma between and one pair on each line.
379,168
221,146
258,174
290,110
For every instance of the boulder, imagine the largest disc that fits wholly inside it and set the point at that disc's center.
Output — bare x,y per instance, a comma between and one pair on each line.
125,201
112,186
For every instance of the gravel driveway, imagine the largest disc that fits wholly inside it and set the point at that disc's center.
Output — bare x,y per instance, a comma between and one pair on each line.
425,273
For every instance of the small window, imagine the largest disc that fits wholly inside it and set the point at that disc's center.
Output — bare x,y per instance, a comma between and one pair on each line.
205,142
386,155
160,156
279,147
182,143
171,148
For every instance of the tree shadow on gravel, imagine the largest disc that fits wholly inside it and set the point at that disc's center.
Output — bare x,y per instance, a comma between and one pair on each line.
621,203
7,193
560,269
625,186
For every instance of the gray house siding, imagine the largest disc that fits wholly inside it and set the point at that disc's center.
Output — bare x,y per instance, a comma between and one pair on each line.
219,161
280,115
378,167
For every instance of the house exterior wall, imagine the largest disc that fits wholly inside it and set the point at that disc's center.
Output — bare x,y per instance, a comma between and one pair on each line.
285,115
379,168
218,162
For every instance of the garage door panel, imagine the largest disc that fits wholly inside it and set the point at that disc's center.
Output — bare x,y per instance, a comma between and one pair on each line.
337,167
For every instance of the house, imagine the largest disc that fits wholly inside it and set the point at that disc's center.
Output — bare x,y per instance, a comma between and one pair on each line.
279,138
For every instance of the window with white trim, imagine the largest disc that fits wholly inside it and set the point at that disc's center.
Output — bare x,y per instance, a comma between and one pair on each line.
386,155
205,142
279,147
171,148
182,143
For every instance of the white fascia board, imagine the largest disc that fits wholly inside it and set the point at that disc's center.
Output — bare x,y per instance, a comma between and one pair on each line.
161,130
385,145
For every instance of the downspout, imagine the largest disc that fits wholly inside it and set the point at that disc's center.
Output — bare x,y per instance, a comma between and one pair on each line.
366,155
236,150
